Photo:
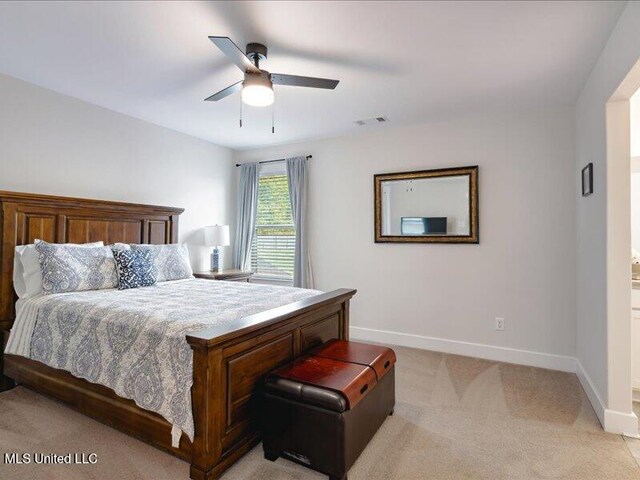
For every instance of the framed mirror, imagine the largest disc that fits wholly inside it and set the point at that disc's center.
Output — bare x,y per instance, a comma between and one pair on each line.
427,206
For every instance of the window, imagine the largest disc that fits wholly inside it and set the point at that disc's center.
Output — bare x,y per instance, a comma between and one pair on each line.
273,246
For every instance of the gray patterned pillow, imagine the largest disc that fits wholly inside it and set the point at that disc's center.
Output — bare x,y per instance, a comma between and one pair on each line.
72,268
171,262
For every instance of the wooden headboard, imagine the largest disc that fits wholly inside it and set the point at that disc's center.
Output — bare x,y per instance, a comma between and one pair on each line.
26,216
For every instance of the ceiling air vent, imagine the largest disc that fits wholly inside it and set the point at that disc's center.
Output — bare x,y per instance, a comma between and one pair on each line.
371,121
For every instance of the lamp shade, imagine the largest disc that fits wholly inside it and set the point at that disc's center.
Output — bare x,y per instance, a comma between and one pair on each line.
216,235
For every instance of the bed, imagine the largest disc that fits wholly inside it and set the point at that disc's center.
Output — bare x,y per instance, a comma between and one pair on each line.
229,357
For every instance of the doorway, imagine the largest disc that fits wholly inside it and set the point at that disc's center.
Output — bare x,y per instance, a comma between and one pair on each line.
621,330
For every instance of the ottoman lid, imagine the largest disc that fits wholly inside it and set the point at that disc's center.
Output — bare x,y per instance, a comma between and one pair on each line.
380,358
323,382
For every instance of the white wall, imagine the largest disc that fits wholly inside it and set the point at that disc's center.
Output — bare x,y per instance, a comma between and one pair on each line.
634,105
522,270
593,331
635,204
54,144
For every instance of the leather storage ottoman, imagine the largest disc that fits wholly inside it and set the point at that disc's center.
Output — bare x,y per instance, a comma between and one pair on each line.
323,410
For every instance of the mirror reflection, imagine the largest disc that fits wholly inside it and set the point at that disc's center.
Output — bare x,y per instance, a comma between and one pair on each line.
426,206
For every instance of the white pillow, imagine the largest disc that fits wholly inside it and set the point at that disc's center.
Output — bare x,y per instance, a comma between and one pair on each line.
18,276
27,277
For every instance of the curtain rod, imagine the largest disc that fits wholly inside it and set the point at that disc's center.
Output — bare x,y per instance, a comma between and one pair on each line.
277,160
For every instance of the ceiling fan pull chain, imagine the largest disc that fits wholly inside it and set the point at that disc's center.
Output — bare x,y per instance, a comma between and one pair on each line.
273,114
240,113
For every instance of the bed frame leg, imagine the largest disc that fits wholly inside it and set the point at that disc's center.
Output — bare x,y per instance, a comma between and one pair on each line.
6,383
206,449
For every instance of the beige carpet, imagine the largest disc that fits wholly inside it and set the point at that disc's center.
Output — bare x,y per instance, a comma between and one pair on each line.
456,418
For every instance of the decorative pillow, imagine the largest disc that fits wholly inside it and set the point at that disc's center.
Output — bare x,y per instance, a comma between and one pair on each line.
27,277
120,246
72,268
135,268
171,262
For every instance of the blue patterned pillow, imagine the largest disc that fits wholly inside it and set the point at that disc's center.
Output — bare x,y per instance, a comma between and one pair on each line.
135,268
67,267
171,262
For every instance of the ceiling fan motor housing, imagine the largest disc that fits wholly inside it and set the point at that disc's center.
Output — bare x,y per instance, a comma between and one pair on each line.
256,51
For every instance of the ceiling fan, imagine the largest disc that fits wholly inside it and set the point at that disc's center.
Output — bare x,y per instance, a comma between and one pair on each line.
257,86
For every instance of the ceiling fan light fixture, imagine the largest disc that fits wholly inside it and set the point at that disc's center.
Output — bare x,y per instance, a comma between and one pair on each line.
257,89
257,95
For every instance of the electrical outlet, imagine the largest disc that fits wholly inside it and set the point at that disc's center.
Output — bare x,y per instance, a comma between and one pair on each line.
500,324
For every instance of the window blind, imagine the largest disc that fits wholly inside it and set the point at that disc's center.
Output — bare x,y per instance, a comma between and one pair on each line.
273,245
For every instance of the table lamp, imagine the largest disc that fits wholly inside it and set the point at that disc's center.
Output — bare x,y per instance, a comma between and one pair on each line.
216,236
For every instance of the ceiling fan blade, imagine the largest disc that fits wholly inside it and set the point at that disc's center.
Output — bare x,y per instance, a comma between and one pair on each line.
236,87
234,53
298,81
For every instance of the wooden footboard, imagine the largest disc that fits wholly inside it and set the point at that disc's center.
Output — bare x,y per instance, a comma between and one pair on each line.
228,361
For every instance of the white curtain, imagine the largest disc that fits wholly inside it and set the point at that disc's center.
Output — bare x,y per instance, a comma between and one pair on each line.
247,211
298,186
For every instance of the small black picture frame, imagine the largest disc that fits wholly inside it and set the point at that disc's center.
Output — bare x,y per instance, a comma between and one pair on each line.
587,180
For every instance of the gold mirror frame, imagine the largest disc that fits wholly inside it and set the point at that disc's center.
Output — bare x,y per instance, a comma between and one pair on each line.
471,172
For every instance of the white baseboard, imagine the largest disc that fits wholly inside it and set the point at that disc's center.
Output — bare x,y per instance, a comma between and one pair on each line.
478,350
592,392
612,421
619,422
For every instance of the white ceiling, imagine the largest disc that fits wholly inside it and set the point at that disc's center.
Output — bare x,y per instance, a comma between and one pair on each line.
412,62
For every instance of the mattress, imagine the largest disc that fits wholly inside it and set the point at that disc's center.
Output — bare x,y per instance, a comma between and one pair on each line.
134,341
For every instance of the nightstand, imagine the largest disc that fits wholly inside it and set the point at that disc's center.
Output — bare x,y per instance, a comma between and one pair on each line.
230,275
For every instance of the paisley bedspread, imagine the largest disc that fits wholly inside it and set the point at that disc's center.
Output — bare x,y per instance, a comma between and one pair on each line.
133,341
